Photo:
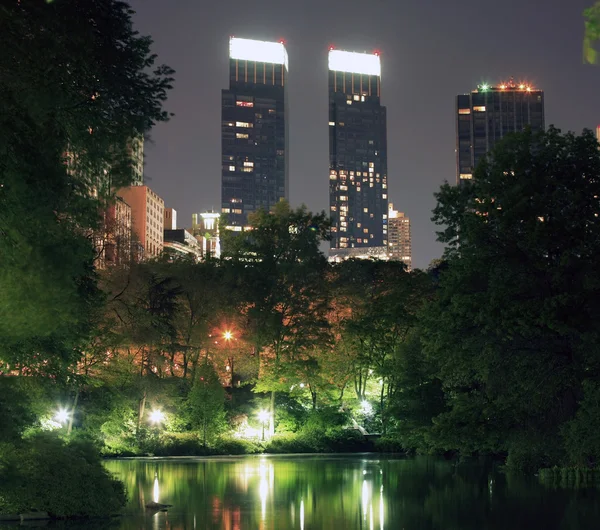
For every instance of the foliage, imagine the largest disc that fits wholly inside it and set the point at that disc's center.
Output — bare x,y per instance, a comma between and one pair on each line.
512,331
76,84
206,404
591,34
63,479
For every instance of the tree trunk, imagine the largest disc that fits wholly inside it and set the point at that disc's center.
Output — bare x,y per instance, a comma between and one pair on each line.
382,408
141,408
314,399
73,408
272,414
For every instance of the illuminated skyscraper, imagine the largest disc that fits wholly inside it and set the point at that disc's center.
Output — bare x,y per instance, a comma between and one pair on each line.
254,129
357,156
489,113
399,242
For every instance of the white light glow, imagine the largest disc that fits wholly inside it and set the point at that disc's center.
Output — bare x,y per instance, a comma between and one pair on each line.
157,416
61,416
258,50
358,63
155,489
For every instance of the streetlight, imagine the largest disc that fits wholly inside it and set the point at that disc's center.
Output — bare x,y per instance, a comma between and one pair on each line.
157,416
263,417
228,336
61,416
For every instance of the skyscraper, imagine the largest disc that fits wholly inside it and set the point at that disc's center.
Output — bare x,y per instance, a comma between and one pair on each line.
399,242
254,129
357,156
489,113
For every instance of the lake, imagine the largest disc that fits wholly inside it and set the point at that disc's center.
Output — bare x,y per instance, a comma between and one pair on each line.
345,492
340,492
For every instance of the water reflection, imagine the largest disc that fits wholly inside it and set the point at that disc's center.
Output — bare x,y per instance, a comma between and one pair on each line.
284,493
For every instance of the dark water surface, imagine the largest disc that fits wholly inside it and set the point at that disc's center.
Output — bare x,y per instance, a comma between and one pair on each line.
348,492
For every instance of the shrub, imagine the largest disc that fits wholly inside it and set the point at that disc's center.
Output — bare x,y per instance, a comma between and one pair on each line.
236,446
65,479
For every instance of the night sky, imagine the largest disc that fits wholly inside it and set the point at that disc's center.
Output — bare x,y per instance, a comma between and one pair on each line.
431,50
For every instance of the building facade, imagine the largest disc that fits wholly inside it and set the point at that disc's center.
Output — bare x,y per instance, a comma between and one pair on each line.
357,156
399,242
254,134
170,219
147,218
487,115
179,243
205,228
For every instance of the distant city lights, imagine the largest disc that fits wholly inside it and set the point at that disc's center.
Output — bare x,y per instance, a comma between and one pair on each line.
357,63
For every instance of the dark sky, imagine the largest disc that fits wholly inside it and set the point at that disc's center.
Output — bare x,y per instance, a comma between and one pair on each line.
432,50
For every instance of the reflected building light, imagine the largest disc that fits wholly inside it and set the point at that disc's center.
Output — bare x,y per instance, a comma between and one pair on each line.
155,491
302,515
371,523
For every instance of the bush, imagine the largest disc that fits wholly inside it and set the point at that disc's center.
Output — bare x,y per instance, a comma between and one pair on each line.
389,444
65,479
582,434
236,446
333,440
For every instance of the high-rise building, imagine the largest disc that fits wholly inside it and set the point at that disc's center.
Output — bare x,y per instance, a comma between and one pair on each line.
170,222
147,216
399,243
489,113
254,129
357,156
205,227
136,153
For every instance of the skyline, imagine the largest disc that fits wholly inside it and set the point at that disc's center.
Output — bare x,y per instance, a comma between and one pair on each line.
429,54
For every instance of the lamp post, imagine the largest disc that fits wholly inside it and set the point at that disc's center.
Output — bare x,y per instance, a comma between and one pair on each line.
228,335
263,417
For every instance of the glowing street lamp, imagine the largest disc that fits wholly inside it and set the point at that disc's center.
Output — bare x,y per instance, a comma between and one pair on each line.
157,416
61,416
228,336
263,417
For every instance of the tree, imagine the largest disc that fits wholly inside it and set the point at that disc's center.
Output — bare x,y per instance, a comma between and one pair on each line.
513,326
206,403
382,301
283,280
592,33
76,84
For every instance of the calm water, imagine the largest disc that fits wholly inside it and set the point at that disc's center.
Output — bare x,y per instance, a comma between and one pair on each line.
343,493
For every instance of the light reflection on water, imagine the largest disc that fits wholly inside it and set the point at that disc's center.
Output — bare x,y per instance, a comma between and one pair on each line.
349,492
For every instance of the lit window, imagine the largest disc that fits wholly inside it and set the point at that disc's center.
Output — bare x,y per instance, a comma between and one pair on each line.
243,124
247,169
244,104
384,196
365,210
365,230
343,188
271,111
349,101
334,208
356,97
248,164
479,109
371,164
332,176
466,176
341,124
241,135
358,225
231,168
464,111
332,124
343,198
225,210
